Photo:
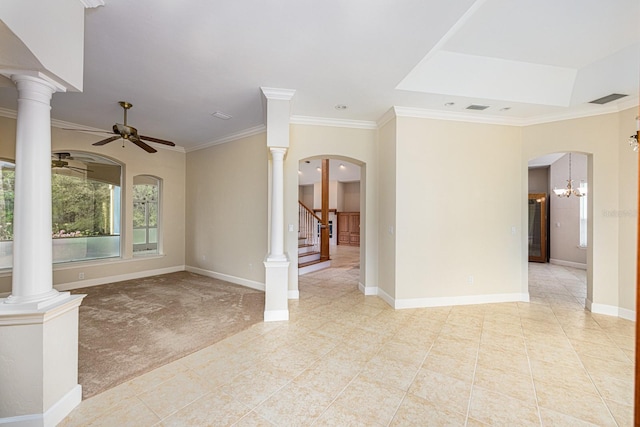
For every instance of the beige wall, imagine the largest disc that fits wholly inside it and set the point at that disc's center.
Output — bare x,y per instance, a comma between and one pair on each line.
167,165
387,209
539,180
564,212
351,195
458,210
612,184
227,210
357,146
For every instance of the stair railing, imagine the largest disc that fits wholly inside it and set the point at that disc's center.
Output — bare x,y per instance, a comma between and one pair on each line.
308,225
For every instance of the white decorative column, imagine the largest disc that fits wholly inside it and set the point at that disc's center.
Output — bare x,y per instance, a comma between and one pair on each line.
32,251
276,306
38,325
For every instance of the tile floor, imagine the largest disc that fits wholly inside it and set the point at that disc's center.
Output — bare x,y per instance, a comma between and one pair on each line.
346,359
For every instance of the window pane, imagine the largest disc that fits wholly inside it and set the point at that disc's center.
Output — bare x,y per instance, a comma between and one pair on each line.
153,235
139,236
6,214
153,214
85,196
139,214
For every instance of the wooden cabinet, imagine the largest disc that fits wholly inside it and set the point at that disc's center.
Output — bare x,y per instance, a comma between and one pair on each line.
349,228
538,228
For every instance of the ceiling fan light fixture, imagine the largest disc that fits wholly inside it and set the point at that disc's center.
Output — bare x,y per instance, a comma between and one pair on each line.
221,115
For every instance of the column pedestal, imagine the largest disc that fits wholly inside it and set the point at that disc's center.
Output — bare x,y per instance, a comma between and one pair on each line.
276,304
39,369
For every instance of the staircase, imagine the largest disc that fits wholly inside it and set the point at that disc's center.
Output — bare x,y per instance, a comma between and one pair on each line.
309,242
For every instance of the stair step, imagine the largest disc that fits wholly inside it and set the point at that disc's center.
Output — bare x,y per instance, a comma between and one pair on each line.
308,257
308,267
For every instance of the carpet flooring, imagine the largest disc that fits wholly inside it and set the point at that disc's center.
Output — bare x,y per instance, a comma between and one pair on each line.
131,327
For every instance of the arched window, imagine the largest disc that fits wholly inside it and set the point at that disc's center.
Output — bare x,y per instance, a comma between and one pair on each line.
85,207
7,172
146,204
85,196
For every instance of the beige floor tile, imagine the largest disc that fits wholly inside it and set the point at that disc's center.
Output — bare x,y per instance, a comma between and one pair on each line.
442,390
606,352
450,366
498,409
131,412
294,405
252,419
584,406
175,393
390,372
213,409
504,359
615,389
611,368
369,399
414,411
338,415
99,405
253,388
623,414
552,418
571,377
512,384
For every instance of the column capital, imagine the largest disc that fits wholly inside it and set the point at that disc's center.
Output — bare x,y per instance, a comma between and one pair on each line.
35,88
278,152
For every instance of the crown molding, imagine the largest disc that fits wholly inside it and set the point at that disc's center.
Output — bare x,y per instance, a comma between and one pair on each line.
8,113
420,113
89,4
389,115
321,121
278,94
256,130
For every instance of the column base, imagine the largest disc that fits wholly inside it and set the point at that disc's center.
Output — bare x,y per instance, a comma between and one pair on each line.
39,362
276,303
33,302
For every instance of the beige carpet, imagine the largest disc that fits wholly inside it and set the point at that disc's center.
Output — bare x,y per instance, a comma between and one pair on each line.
129,328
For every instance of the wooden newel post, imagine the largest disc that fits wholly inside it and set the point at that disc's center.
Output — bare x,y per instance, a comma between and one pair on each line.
324,228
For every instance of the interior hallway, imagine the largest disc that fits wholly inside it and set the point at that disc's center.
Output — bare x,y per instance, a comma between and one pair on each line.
347,359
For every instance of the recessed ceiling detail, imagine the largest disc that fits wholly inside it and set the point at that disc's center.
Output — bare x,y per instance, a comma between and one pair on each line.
607,99
477,107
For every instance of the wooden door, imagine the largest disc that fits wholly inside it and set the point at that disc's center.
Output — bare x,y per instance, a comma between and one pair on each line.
354,229
537,227
349,228
343,228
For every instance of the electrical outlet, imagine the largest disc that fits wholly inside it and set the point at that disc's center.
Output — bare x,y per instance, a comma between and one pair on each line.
80,276
470,280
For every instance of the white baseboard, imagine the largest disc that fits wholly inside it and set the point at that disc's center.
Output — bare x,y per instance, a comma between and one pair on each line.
119,278
368,290
461,300
579,265
293,294
56,413
627,314
227,278
611,310
386,297
276,315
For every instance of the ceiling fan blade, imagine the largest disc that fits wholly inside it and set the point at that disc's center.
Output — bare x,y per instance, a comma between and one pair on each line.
159,141
75,169
142,145
106,141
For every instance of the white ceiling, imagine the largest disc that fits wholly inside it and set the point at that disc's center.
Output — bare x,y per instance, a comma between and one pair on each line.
179,62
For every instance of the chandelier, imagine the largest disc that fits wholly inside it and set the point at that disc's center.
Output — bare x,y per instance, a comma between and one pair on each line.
633,139
566,192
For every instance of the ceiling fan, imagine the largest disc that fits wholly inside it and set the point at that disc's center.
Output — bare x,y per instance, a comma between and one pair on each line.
61,163
130,133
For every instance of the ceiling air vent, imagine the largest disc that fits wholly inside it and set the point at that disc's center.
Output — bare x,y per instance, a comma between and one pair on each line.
608,98
477,107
